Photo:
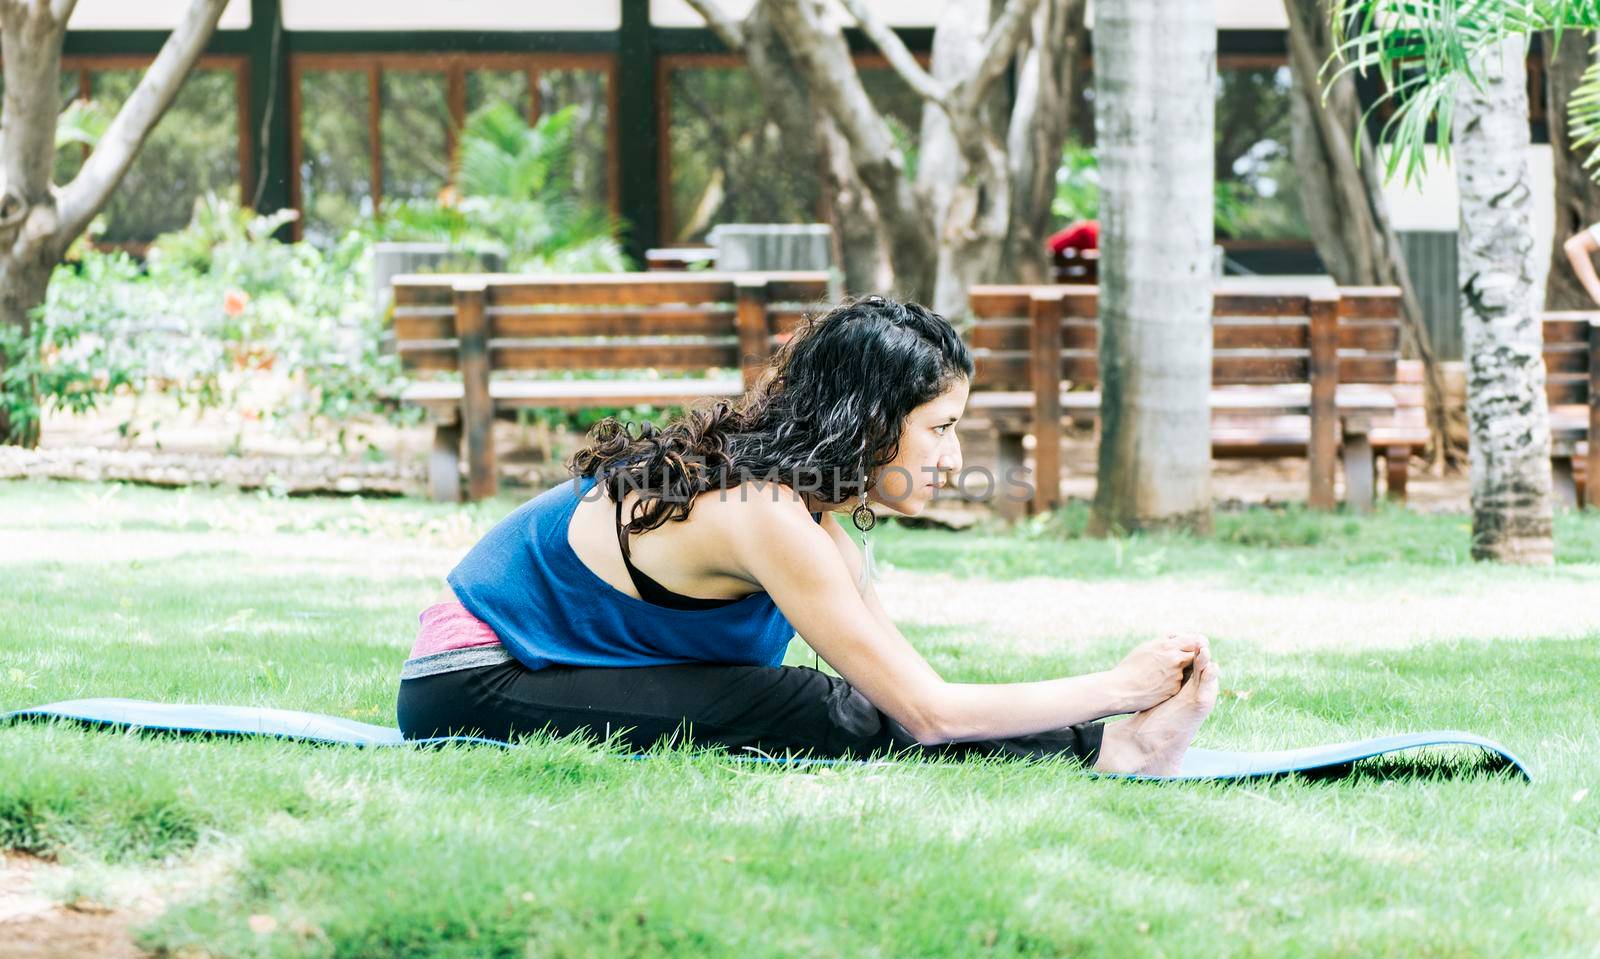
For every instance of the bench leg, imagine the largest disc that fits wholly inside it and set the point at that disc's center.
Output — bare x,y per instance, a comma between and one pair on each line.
1008,501
1397,466
1358,472
1562,484
444,463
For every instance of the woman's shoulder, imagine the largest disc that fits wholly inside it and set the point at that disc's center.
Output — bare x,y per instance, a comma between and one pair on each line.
757,501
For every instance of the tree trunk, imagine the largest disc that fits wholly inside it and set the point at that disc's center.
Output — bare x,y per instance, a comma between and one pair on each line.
1344,203
1045,113
23,282
969,195
858,235
1506,410
809,137
30,47
822,57
1577,196
1154,69
38,221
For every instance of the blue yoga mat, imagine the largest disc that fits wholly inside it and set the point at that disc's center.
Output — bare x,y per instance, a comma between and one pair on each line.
1331,759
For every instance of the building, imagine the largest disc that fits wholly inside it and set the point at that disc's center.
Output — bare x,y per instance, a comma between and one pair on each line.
328,107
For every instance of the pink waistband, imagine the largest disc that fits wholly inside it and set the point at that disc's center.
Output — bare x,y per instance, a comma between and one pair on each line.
447,626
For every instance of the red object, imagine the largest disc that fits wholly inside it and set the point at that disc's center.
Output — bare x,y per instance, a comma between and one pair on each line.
1080,235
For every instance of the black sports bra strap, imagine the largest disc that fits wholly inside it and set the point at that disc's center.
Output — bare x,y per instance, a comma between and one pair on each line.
622,535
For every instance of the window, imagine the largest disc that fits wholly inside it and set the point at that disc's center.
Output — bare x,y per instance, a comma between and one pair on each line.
335,168
353,149
196,148
727,159
1257,192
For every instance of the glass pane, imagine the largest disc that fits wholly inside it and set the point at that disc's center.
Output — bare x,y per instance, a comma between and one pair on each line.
415,126
69,157
193,150
1257,193
497,86
586,91
335,153
727,161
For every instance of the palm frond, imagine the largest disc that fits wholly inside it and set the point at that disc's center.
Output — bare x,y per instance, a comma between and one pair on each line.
1583,115
1422,50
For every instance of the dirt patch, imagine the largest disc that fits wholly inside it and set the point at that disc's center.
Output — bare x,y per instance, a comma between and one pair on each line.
1041,614
34,926
220,447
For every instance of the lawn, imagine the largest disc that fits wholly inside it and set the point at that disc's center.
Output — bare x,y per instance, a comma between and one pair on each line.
561,848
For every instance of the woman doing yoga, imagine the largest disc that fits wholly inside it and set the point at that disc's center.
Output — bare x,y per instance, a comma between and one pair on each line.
653,596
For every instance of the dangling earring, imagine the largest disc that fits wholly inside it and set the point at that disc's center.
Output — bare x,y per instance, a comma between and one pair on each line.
864,519
863,516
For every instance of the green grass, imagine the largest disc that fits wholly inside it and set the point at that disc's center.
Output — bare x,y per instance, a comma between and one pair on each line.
563,848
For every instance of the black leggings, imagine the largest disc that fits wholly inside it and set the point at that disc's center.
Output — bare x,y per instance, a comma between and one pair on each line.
774,709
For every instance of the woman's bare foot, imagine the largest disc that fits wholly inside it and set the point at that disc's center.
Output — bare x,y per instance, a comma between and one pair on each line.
1154,741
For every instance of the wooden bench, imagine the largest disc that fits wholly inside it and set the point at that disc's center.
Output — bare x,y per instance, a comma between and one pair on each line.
1572,387
715,330
1292,374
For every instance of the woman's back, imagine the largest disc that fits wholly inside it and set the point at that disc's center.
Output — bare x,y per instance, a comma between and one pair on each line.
545,582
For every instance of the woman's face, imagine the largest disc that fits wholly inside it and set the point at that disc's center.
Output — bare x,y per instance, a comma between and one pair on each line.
930,453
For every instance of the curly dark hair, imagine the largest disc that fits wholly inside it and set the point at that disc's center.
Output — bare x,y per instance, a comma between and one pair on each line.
827,410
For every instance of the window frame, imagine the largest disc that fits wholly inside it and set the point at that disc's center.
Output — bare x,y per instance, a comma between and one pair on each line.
454,67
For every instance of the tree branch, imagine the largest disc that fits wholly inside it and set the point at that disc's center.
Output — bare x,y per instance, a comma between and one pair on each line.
822,58
999,44
62,9
79,200
727,29
898,56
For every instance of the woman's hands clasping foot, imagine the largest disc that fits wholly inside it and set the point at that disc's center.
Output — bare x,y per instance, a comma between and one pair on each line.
1154,740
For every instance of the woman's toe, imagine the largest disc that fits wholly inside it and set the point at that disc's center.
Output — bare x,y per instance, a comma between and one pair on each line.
1210,683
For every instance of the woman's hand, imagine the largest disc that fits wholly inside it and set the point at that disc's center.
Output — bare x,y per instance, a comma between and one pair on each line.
1155,671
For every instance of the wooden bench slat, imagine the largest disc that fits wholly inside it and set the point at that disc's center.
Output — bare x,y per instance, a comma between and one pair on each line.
428,355
1234,369
1367,369
609,289
422,294
1258,304
1566,359
533,355
574,291
1260,336
1570,328
426,326
1369,302
1372,337
788,320
1563,389
654,322
579,392
1009,369
1011,302
1013,335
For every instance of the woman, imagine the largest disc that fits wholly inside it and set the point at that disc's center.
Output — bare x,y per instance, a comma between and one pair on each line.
655,595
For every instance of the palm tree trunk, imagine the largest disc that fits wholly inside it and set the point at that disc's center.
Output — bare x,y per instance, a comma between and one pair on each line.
1154,69
1509,452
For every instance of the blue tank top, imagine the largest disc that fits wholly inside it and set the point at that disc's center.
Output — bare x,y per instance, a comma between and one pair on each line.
525,581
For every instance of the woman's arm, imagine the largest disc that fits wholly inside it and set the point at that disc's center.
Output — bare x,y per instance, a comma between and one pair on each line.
1580,249
800,566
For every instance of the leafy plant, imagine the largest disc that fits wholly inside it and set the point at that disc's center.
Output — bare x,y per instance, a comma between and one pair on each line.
218,306
514,200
